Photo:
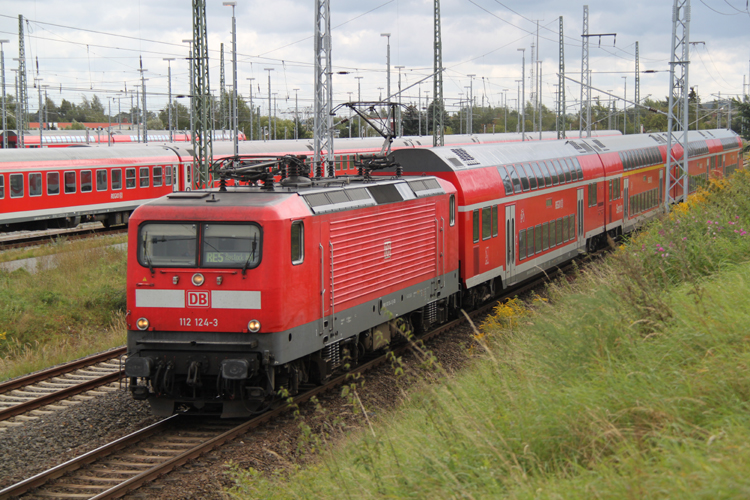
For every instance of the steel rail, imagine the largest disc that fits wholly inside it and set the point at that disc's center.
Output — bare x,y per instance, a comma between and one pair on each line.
61,369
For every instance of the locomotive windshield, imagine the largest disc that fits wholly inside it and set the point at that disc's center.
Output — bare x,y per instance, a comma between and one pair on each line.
168,245
218,245
230,245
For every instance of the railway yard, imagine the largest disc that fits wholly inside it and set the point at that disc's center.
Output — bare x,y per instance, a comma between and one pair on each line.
421,292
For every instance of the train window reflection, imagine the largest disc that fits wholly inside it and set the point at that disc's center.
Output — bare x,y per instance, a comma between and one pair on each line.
167,245
85,181
157,176
35,184
70,182
101,180
231,245
116,179
53,183
16,185
143,177
130,178
298,242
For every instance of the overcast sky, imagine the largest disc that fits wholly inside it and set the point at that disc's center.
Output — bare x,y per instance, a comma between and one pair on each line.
93,46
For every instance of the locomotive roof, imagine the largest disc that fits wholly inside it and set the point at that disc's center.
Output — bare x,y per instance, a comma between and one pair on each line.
323,196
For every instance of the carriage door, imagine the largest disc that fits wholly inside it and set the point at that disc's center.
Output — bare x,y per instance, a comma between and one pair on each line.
661,187
510,243
579,225
626,200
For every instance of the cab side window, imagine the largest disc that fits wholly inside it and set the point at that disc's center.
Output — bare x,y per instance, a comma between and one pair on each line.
298,242
452,209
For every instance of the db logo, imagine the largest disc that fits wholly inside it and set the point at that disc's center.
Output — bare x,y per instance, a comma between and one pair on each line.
197,299
387,250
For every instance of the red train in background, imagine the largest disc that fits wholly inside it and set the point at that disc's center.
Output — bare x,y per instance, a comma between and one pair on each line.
106,184
237,294
100,136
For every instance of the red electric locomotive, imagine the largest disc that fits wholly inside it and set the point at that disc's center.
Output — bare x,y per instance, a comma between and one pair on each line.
236,293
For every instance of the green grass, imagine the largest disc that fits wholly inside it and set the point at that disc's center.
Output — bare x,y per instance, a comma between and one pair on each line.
631,382
72,309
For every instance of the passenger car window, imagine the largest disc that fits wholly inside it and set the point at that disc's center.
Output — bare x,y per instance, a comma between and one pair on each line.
530,241
507,183
552,171
116,179
538,237
486,223
494,221
2,186
143,177
476,225
522,176
514,177
545,171
86,181
70,182
538,173
168,176
101,180
559,231
16,185
35,184
298,242
530,174
552,237
157,176
522,244
574,163
130,178
53,183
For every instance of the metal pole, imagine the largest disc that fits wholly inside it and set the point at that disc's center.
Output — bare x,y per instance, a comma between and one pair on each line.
251,106
388,62
539,96
234,76
5,113
523,94
39,89
400,129
169,90
470,128
296,116
359,98
269,99
192,91
109,120
505,102
625,108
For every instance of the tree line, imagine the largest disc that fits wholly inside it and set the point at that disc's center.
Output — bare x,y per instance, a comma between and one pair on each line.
485,119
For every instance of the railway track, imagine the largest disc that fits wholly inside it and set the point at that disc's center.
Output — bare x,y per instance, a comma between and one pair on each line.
31,396
126,464
22,239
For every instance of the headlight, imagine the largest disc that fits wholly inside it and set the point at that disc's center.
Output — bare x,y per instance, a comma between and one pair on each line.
142,324
253,325
198,279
